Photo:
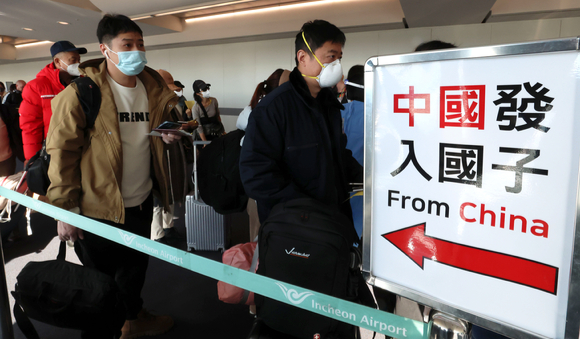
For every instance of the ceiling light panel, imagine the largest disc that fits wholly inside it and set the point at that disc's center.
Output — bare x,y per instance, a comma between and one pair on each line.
264,9
145,7
33,44
215,6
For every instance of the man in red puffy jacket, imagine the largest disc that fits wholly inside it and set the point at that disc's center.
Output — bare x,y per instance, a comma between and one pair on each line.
35,111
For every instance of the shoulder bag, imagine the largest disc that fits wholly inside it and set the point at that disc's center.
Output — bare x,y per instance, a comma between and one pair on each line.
212,126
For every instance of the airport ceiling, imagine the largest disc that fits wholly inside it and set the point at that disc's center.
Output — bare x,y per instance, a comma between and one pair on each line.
25,21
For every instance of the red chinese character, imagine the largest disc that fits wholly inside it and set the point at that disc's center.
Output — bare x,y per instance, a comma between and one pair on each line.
462,106
412,109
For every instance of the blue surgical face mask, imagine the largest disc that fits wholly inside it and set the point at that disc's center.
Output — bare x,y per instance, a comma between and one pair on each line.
130,62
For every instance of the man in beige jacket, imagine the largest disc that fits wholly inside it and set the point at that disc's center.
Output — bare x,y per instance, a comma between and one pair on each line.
110,172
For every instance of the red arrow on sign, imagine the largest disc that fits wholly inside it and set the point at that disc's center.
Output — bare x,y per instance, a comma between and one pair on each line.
417,245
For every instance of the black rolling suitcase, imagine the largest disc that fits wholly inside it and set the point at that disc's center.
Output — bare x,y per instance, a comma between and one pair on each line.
206,229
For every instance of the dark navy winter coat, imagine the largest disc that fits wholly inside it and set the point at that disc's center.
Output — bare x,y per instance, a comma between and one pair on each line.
294,147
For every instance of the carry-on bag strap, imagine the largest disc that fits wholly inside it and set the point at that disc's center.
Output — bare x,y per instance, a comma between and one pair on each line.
195,143
204,111
62,255
89,95
252,270
196,194
61,251
24,322
86,260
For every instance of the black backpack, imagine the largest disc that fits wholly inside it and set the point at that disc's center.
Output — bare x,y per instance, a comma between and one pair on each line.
14,99
89,96
218,173
309,244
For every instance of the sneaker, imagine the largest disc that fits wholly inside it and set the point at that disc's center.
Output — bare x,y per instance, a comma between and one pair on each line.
146,324
171,233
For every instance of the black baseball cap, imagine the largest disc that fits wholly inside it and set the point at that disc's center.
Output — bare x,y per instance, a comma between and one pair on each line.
178,84
200,86
65,46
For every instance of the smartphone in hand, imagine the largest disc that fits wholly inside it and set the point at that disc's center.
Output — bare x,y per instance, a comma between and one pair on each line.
169,125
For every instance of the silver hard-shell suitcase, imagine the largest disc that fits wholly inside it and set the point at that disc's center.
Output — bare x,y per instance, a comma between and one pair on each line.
206,229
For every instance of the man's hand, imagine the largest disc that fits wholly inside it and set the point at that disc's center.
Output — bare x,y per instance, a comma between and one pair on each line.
190,124
68,232
170,138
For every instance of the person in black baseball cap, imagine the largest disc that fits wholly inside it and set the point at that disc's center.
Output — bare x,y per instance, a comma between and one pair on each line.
65,46
178,84
206,111
182,99
66,56
200,86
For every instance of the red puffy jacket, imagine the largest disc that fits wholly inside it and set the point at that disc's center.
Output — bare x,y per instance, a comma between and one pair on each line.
35,111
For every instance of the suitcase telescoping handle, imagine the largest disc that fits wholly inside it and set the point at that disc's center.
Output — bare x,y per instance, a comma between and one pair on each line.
195,143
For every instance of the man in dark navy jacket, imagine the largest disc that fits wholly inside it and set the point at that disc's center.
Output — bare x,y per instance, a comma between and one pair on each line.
294,146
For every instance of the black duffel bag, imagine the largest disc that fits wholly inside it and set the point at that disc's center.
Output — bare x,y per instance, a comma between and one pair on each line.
64,294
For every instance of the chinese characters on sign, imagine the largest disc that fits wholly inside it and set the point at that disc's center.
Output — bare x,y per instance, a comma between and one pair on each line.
519,168
411,105
461,164
411,158
510,105
464,107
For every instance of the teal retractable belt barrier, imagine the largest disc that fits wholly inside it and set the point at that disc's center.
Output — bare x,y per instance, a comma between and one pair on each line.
352,313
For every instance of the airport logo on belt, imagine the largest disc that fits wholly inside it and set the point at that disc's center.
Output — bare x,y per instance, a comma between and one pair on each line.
128,239
293,296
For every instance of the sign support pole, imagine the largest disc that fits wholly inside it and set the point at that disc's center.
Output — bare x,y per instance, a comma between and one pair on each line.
446,326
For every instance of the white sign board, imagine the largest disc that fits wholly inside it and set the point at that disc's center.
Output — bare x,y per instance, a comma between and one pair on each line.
472,177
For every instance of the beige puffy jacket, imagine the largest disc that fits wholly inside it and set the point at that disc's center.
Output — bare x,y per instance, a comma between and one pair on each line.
86,167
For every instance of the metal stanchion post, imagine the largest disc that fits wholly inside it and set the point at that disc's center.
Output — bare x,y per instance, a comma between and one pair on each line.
445,326
6,329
